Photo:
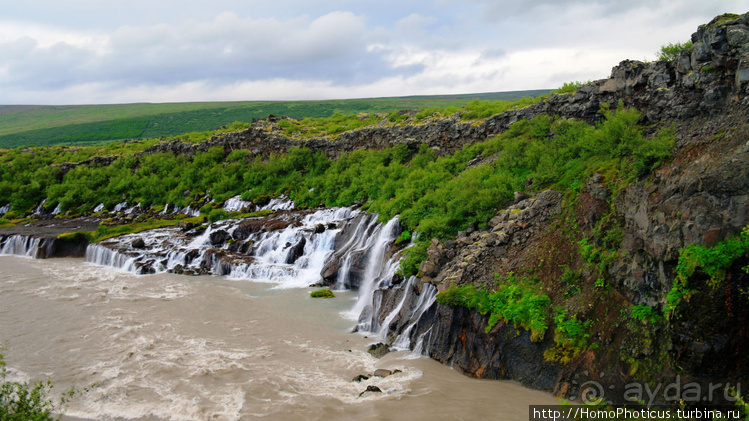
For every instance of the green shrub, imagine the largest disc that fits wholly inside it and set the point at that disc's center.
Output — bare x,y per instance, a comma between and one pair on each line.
568,88
75,237
517,302
671,52
646,313
217,215
322,293
23,401
570,337
712,261
404,237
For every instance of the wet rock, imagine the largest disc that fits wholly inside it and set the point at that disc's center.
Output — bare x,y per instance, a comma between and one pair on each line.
360,378
378,350
319,229
138,243
371,388
381,372
218,237
296,251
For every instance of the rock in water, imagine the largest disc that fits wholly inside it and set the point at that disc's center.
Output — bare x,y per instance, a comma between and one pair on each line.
381,372
370,389
378,350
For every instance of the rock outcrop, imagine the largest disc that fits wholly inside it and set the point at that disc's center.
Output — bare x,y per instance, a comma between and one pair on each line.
700,197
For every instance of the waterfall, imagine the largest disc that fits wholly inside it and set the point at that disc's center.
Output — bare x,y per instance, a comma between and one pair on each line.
290,256
385,326
39,210
279,203
107,257
4,209
358,243
236,203
427,298
21,245
120,206
378,270
288,249
276,258
99,208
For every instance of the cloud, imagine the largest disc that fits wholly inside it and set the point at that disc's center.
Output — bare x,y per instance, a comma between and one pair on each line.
332,47
85,51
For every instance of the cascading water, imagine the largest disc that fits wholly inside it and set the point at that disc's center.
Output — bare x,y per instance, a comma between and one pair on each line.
291,255
236,204
379,270
295,256
385,325
289,249
21,245
427,298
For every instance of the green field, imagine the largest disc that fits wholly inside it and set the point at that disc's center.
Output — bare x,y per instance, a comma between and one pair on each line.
36,125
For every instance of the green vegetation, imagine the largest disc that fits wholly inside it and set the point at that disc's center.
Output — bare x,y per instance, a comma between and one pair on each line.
519,302
97,124
570,337
569,87
333,125
671,52
322,293
434,196
20,401
646,313
711,261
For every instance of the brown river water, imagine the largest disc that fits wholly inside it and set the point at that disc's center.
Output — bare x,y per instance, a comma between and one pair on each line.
166,346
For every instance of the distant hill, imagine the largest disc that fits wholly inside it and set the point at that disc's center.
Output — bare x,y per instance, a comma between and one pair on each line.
38,125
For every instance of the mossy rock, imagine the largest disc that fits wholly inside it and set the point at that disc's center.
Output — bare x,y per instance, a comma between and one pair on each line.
322,293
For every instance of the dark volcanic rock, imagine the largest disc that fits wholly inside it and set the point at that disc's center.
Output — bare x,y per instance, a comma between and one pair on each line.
371,388
296,251
378,350
218,237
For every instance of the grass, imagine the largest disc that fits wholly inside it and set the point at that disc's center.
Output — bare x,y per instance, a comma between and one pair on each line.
27,125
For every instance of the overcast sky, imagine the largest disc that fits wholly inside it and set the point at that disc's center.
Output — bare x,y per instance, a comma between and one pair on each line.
102,51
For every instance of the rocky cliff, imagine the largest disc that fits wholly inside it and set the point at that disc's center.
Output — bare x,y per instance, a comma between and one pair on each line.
700,197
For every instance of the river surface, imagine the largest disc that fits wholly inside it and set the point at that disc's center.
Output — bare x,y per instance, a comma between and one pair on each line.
167,346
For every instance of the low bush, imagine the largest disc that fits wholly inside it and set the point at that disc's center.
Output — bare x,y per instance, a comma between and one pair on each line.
322,293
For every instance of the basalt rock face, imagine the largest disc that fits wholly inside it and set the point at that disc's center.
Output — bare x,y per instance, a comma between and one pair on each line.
699,197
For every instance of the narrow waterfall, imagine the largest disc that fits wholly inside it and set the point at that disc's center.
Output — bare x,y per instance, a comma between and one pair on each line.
379,270
385,325
427,298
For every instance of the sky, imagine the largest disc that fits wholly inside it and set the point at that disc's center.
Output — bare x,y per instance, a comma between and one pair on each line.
104,52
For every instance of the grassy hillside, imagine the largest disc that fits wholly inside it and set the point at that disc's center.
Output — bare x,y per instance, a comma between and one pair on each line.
27,125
